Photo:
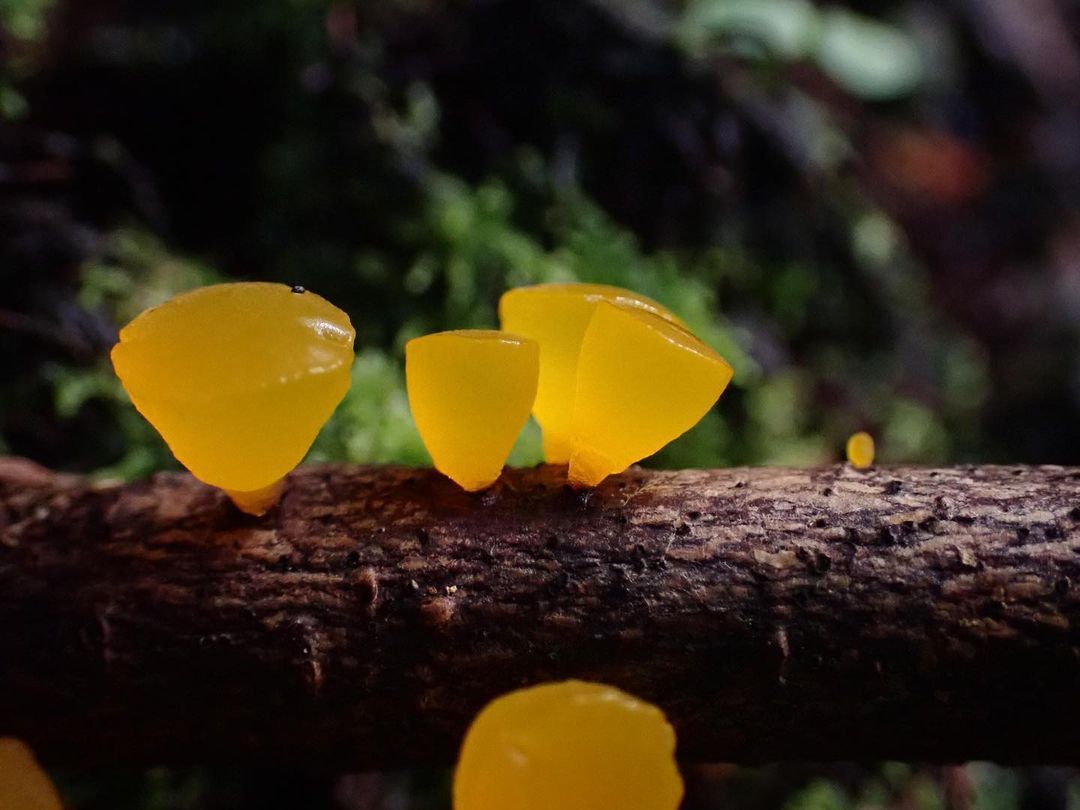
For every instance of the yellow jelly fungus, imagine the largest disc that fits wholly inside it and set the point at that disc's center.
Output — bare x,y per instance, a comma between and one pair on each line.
470,393
556,316
642,382
860,450
23,784
568,745
238,379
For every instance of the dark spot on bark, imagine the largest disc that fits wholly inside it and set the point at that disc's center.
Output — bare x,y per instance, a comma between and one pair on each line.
827,491
816,561
367,585
1061,587
1022,532
487,556
352,559
439,611
965,520
552,541
995,607
1018,471
423,536
819,523
928,523
892,487
740,484
557,584
1074,513
682,530
299,290
282,565
887,535
1053,533
694,514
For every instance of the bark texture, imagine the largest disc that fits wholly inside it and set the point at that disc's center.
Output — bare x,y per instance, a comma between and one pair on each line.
773,613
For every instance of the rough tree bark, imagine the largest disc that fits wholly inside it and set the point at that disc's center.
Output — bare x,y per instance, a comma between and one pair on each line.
774,614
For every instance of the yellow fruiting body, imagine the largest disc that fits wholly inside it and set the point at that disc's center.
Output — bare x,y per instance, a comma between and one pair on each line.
573,745
860,450
238,379
23,784
470,392
642,382
556,316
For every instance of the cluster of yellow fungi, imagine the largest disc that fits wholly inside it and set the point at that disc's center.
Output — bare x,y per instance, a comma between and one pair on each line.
239,378
570,744
611,376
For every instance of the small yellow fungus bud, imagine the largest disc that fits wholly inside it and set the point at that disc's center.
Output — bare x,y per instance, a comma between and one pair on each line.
860,450
238,379
556,316
575,745
23,784
470,393
642,382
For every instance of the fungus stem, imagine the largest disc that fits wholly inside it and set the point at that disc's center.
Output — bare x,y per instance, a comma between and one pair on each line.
257,501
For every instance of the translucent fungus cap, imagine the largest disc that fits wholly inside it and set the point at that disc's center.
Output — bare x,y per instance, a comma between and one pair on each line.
470,393
642,382
238,378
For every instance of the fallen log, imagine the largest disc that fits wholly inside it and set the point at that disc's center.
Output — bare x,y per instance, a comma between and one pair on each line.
906,613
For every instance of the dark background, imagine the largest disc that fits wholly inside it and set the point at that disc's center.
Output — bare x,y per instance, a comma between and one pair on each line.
872,209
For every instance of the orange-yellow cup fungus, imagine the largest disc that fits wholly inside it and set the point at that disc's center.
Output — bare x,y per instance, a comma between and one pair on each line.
470,392
575,745
642,381
556,316
860,450
23,784
238,379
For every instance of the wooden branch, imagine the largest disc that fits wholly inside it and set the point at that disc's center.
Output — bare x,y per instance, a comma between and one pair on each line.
774,614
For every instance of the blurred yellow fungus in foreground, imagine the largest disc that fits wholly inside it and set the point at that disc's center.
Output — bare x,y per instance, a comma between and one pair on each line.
23,784
570,745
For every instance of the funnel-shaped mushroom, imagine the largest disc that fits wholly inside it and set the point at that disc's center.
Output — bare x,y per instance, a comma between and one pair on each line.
238,379
23,784
556,316
470,393
569,745
642,382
